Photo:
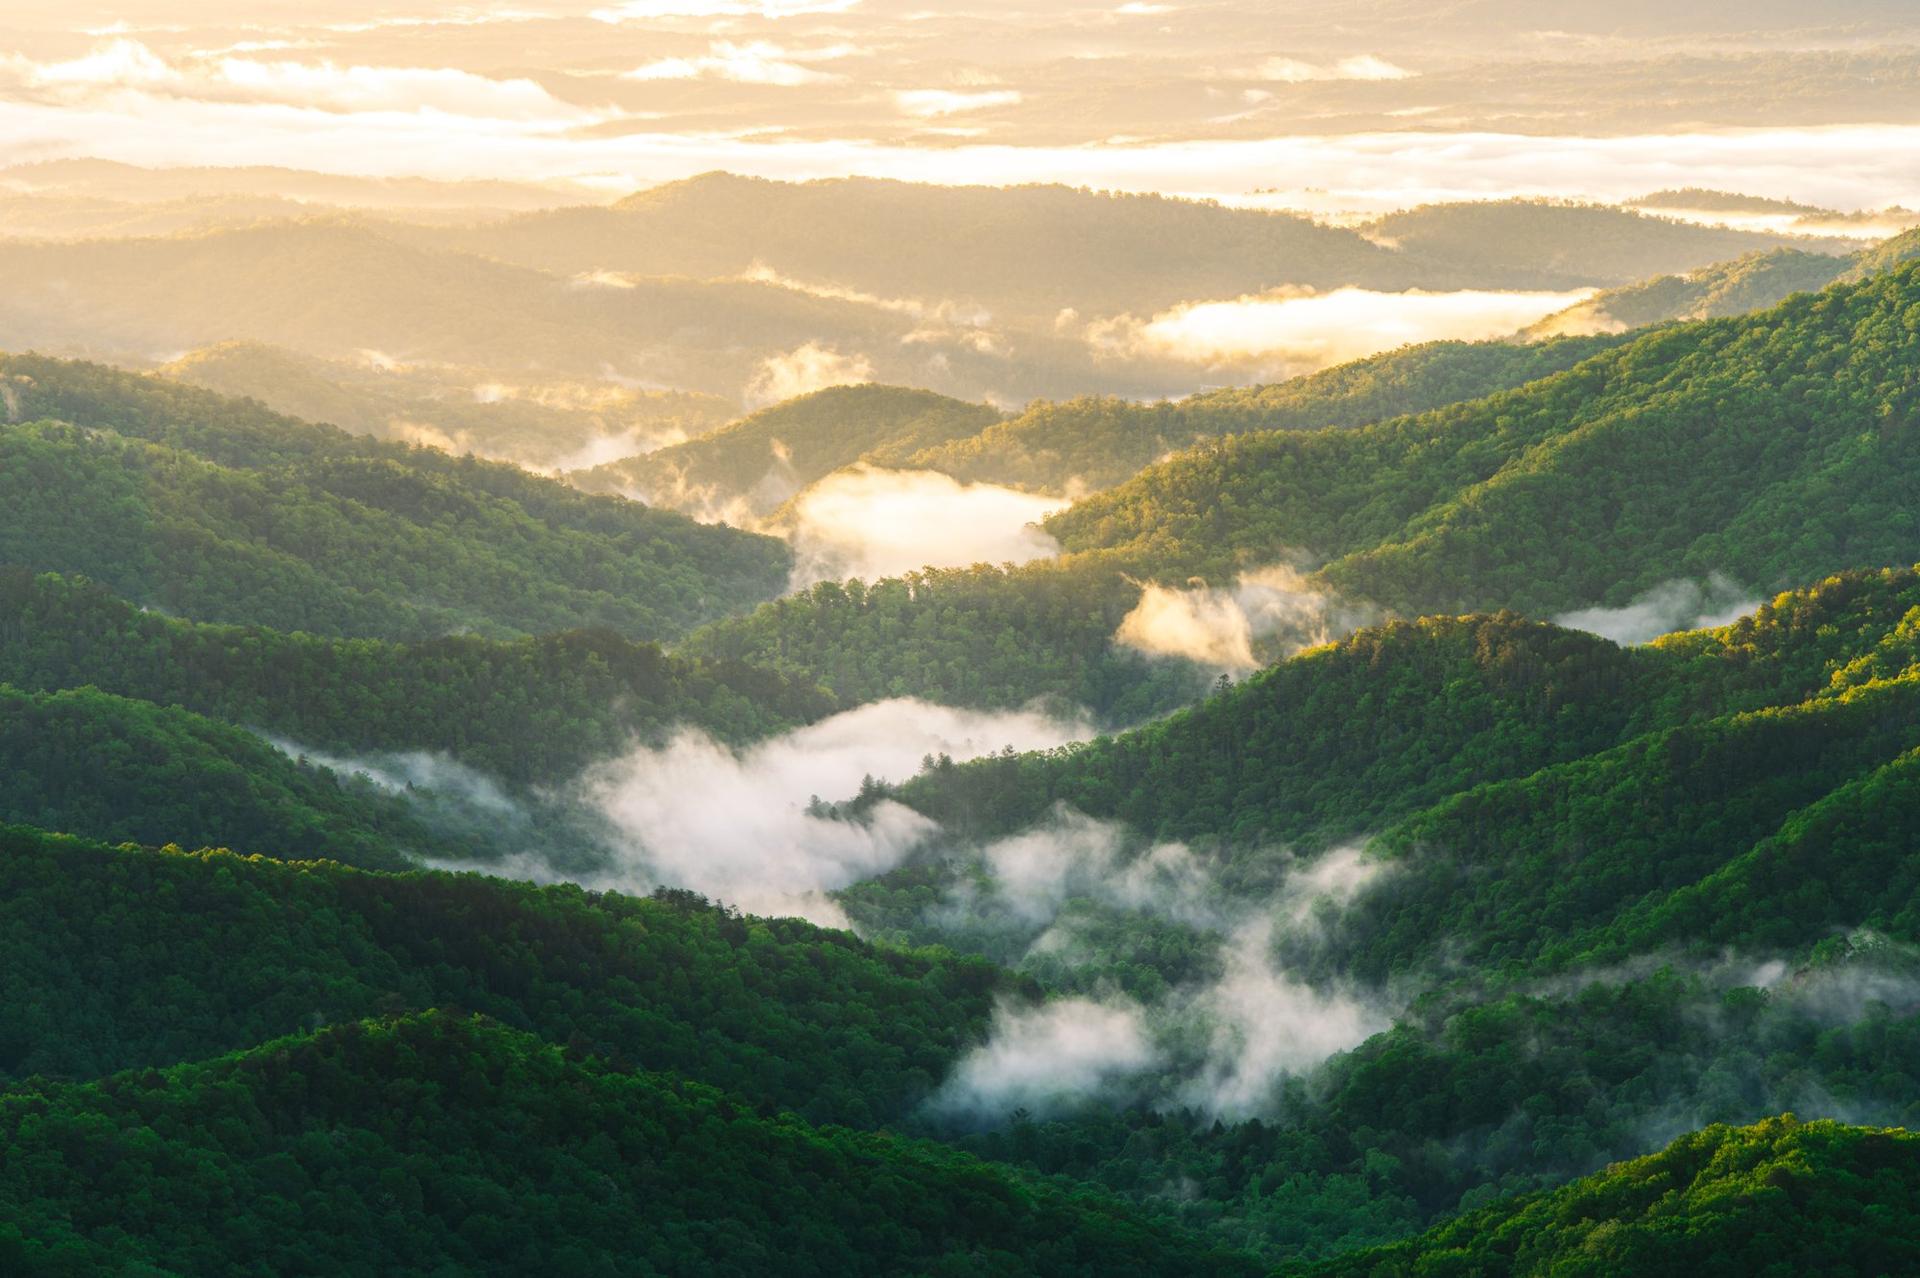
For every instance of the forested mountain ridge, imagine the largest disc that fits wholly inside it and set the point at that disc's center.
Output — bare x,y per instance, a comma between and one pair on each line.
1093,443
1769,447
116,958
757,463
432,1142
223,511
1779,1197
529,711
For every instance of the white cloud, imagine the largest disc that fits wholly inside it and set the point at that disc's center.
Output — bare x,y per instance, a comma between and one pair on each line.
1218,627
736,824
758,62
642,10
127,66
1048,1058
804,370
1299,330
873,523
1667,607
926,103
1360,67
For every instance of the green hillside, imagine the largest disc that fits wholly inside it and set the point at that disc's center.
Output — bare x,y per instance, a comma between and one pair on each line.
435,1144
1781,1197
108,768
221,510
125,959
529,711
1095,443
1771,448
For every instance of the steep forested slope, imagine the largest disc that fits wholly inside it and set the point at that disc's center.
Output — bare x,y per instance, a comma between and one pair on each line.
1773,447
1780,1197
437,1143
1756,282
534,710
223,511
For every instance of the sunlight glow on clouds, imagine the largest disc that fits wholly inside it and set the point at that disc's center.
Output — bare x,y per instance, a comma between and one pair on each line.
1303,329
138,103
640,10
932,102
758,62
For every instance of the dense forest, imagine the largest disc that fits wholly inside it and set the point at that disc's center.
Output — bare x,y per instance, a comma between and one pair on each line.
220,510
1484,846
1772,448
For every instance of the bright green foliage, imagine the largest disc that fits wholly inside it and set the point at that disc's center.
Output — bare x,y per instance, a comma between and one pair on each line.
1775,447
760,461
1096,442
1775,1200
120,958
525,710
224,511
437,1144
985,637
1330,742
108,768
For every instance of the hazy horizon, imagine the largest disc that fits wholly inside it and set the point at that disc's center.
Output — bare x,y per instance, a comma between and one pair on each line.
1328,108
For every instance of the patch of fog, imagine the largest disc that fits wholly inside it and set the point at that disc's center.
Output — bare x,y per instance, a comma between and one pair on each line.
1219,1045
1219,627
403,772
869,523
1671,606
1296,330
1050,1057
741,824
804,370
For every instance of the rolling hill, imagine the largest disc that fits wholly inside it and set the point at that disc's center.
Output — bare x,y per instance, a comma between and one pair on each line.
223,511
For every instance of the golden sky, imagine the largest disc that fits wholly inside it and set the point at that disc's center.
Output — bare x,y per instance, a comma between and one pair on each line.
1364,104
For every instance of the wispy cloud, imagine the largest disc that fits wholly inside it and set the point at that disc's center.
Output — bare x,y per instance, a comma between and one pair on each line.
758,62
927,103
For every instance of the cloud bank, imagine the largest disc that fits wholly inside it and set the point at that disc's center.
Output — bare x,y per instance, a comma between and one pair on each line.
1296,331
740,825
1670,606
1219,627
872,523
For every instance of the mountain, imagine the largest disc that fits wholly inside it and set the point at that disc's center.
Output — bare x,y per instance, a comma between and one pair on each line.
343,1146
539,422
529,711
1578,243
1756,282
338,287
114,769
1780,1196
224,511
1770,448
1019,252
983,637
1611,892
756,464
1093,443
